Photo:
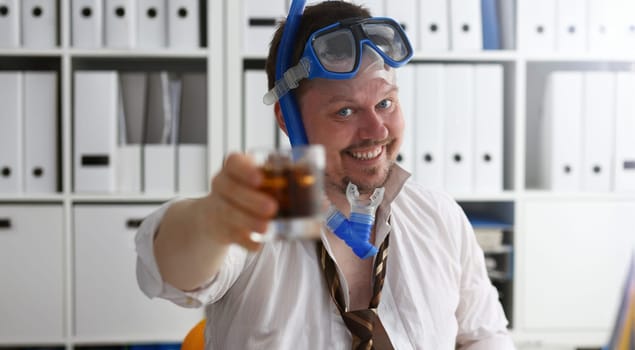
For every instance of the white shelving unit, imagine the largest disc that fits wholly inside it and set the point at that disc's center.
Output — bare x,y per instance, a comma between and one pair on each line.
537,310
594,215
63,290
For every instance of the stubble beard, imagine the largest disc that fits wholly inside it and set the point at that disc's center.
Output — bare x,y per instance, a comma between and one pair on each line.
364,187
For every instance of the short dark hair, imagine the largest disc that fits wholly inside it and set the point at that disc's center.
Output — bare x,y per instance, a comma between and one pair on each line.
313,18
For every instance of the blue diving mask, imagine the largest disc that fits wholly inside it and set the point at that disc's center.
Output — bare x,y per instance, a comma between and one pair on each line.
335,52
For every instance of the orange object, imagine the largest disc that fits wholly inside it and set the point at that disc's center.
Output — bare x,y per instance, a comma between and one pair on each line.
195,338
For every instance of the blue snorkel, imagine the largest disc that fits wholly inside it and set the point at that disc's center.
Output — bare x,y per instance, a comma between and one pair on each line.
356,230
288,104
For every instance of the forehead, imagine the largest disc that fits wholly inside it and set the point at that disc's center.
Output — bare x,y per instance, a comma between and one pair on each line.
368,84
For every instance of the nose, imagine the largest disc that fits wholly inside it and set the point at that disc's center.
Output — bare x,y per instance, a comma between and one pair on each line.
372,126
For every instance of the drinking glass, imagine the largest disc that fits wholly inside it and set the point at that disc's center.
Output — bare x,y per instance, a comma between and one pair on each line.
294,177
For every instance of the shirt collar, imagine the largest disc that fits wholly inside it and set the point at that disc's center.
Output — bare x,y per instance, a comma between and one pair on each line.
394,183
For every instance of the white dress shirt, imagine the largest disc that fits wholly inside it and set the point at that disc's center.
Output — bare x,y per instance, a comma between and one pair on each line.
436,292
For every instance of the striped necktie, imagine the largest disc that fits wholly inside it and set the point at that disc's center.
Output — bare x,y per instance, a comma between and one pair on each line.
364,325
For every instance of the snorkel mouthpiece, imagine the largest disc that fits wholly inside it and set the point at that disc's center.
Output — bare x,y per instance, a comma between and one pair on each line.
355,231
361,225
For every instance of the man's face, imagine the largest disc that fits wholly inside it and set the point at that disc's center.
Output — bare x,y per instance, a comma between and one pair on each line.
359,122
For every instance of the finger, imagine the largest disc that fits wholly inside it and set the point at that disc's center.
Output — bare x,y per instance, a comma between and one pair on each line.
242,168
236,219
244,197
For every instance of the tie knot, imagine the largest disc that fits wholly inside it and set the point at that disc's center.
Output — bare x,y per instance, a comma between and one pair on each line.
360,322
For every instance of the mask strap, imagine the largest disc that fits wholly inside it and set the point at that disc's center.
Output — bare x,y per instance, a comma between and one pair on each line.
290,80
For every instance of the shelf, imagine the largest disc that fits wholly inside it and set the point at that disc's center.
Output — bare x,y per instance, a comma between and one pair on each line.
100,53
507,56
582,57
503,249
120,198
134,53
422,56
507,196
485,197
560,339
22,52
14,343
31,198
130,340
472,56
254,57
583,196
499,276
95,198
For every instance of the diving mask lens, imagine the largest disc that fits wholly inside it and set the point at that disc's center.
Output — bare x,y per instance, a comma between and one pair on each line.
337,50
387,40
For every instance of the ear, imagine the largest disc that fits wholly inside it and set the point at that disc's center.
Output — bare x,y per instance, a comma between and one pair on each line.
280,118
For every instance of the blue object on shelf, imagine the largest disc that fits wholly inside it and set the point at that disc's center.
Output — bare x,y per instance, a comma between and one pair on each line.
169,346
482,222
157,346
491,30
142,347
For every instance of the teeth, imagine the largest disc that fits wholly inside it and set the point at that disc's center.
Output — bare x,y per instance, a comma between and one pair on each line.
367,155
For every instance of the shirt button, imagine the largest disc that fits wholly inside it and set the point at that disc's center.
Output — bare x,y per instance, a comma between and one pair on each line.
189,301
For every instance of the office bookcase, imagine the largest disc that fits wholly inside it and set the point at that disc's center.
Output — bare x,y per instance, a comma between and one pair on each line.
569,249
68,258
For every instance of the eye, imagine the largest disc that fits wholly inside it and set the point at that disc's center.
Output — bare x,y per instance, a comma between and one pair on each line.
345,112
384,104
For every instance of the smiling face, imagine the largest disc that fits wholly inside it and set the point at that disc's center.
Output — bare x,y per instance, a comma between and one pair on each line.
359,122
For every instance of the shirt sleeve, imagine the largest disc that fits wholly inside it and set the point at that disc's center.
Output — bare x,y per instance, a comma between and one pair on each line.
482,322
152,284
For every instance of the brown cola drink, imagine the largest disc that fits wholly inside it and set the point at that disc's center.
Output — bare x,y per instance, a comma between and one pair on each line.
295,186
294,178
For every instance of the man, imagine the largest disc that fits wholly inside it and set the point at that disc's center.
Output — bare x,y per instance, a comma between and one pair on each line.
433,291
